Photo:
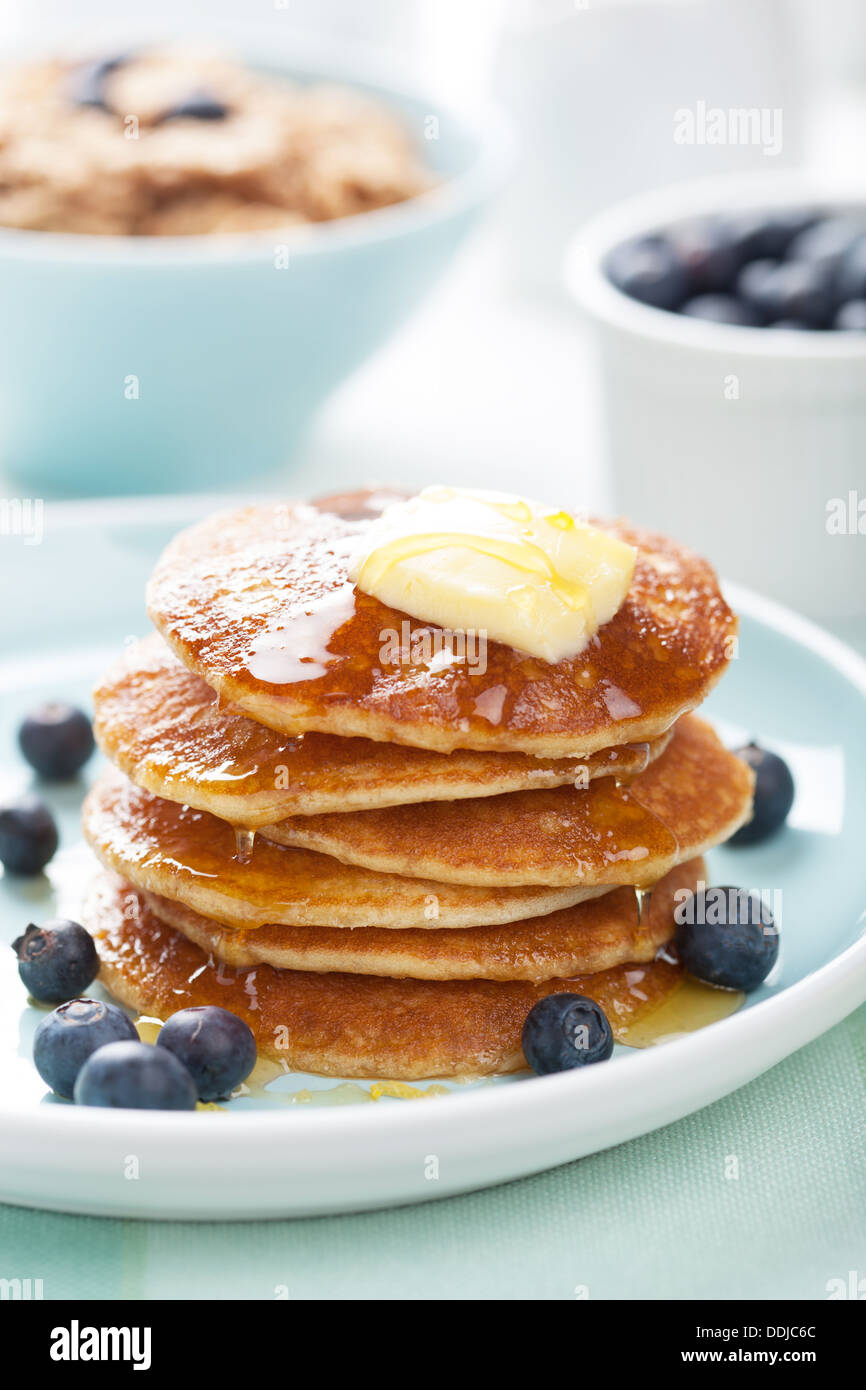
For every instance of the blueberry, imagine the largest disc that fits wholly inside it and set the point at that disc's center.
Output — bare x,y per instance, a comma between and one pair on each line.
756,287
789,290
57,960
216,1047
758,235
564,1031
135,1076
828,241
851,318
774,795
706,254
851,272
87,82
198,106
728,939
722,308
56,739
805,292
66,1038
791,325
749,236
647,268
28,836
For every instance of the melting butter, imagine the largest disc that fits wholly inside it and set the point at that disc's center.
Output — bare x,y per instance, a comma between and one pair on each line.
509,569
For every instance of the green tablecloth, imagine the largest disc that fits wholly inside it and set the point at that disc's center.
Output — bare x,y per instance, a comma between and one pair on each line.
655,1218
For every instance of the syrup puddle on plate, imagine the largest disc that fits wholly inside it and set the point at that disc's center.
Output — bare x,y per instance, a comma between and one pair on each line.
259,1082
691,1006
258,1087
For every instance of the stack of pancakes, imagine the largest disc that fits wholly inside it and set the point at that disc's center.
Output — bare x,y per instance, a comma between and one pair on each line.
382,865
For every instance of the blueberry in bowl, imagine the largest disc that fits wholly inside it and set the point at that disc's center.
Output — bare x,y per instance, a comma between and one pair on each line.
829,241
758,234
648,268
752,393
708,255
798,268
798,290
851,317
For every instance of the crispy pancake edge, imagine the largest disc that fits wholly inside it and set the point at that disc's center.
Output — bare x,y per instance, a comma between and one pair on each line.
541,836
361,1026
131,728
590,937
165,848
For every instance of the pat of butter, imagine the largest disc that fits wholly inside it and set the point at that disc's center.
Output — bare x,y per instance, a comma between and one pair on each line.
503,567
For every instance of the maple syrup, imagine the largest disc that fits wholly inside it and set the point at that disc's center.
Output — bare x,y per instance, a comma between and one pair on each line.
657,653
244,841
691,1005
266,1070
298,648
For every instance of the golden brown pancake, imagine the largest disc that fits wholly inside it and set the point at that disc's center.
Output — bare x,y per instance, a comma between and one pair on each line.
350,1025
167,730
258,602
578,940
191,856
694,796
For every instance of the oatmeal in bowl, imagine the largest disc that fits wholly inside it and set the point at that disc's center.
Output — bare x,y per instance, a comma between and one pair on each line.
194,252
178,142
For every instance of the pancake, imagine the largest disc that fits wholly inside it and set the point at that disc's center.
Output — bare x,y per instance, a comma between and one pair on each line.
258,602
166,729
578,940
694,796
191,856
350,1025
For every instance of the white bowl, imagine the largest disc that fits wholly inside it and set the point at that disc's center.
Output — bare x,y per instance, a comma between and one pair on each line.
746,443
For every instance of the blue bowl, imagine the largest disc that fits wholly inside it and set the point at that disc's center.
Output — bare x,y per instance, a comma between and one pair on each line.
141,364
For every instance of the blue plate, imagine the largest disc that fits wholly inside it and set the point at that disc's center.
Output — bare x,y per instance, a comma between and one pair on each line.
77,595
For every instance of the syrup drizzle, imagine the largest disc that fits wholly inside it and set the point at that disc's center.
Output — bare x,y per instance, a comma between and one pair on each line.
690,1006
619,704
297,649
258,1084
244,842
644,902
